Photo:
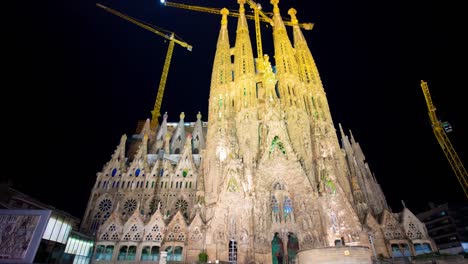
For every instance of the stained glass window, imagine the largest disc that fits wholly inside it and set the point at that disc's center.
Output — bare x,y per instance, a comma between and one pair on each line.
274,205
287,208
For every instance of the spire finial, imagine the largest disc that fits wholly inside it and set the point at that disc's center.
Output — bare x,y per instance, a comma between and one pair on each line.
341,130
275,6
199,115
241,6
224,13
182,116
292,12
165,115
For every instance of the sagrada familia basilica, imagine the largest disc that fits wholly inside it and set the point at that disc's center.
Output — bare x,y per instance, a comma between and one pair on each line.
265,178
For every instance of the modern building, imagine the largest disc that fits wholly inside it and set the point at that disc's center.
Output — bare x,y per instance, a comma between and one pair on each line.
60,241
266,177
448,226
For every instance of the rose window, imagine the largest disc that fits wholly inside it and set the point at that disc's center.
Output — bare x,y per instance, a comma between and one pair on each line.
130,205
181,205
105,205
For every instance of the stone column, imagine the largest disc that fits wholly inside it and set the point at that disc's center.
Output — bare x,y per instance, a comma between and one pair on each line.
163,257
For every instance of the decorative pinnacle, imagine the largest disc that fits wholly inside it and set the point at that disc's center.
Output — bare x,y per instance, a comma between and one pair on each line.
182,116
241,6
224,13
275,6
165,115
198,115
292,12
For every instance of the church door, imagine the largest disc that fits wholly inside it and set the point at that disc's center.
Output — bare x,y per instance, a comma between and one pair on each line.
277,252
293,247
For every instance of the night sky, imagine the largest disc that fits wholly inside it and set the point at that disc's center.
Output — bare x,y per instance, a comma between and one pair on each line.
100,74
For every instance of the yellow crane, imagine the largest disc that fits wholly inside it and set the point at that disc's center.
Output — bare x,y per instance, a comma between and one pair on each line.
155,113
258,16
217,11
440,129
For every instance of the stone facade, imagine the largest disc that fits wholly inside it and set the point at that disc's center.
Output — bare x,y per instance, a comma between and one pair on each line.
266,178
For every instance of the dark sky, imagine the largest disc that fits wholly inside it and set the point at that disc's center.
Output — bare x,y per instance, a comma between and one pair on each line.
101,73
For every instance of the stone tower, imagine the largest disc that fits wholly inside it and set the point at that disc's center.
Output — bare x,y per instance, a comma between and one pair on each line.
274,168
267,177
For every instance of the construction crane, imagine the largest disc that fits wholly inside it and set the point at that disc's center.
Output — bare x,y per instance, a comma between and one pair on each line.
258,16
440,129
217,11
155,113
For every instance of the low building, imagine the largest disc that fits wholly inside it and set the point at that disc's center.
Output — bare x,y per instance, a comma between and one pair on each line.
447,224
29,220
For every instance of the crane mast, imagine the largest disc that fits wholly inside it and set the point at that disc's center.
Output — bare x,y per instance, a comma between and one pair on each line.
232,13
156,112
444,142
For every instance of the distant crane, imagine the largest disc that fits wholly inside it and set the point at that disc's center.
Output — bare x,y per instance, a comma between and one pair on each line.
440,129
155,113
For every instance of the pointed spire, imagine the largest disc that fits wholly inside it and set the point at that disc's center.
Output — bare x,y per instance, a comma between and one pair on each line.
286,65
197,134
178,138
119,153
244,67
352,137
115,213
345,144
163,128
341,131
242,22
146,128
307,68
222,74
222,63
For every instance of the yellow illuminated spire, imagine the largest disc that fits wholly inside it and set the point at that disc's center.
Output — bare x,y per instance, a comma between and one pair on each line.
222,72
286,66
244,69
307,69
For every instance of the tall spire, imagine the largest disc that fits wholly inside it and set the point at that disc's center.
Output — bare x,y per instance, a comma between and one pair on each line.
307,69
222,72
244,69
286,66
178,138
222,62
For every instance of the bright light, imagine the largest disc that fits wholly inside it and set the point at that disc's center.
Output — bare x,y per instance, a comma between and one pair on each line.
221,153
163,1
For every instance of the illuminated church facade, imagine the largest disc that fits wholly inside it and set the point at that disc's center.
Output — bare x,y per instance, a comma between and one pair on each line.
265,178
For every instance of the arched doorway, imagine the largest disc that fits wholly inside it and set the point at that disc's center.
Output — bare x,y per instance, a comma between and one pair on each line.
232,251
293,247
277,253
